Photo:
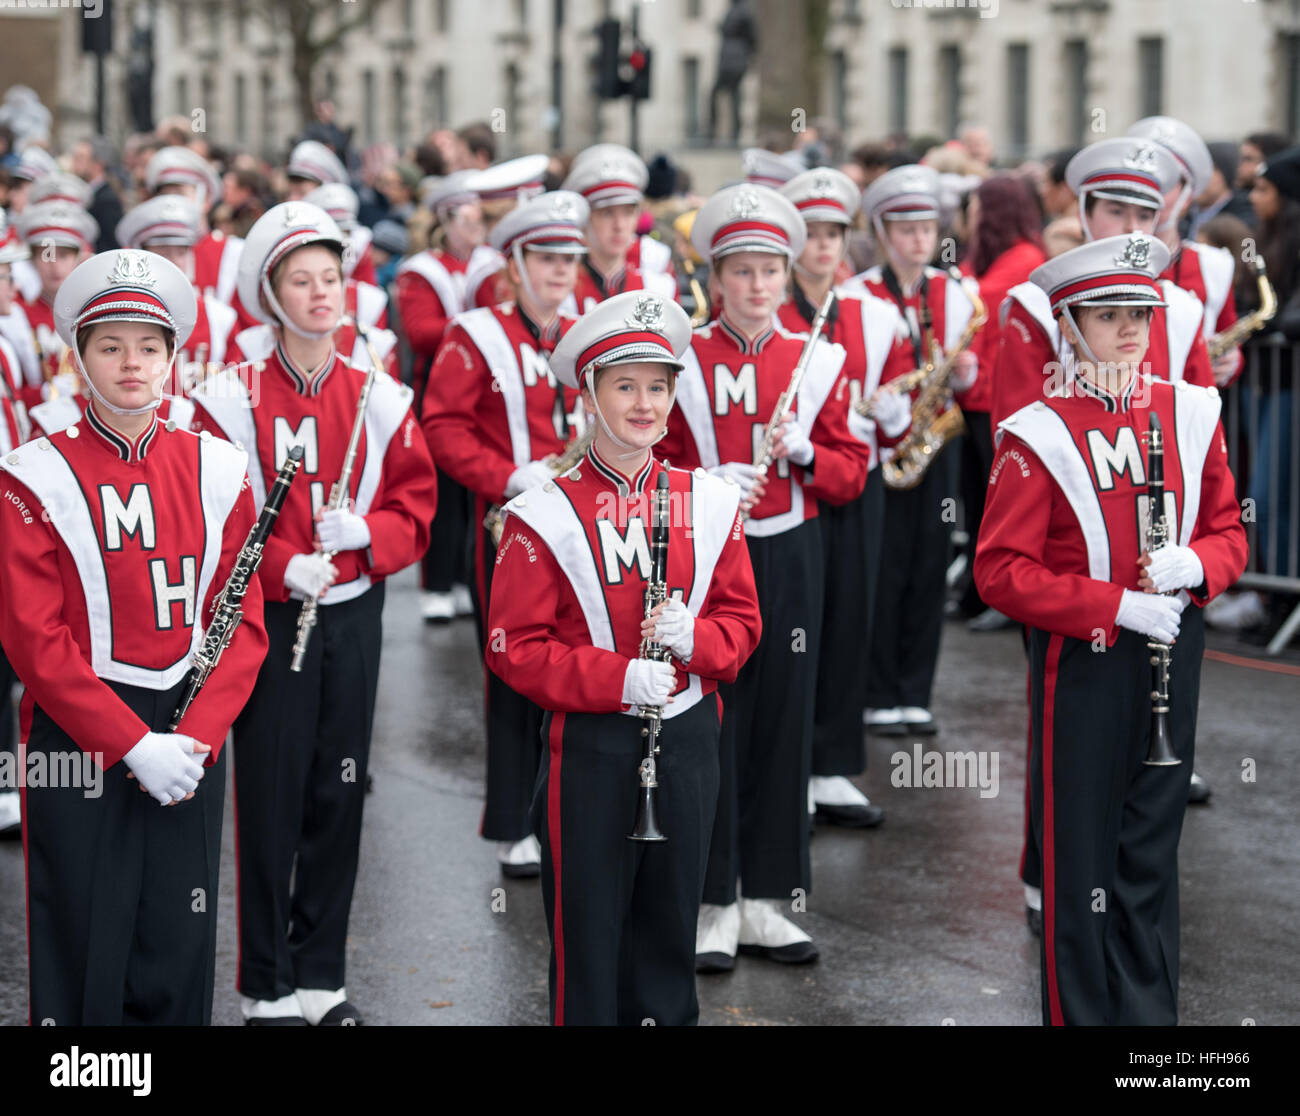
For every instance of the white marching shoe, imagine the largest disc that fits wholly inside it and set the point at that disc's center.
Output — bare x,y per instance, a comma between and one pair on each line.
520,859
1034,909
437,607
461,600
834,799
884,722
766,932
284,1012
11,818
717,933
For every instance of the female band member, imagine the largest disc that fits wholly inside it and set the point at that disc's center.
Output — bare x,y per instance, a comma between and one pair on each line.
568,602
118,533
302,743
1064,550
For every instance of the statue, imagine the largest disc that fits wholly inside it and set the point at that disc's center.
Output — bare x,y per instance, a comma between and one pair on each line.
739,32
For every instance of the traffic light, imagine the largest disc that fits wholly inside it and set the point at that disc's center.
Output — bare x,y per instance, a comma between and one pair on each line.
639,62
609,84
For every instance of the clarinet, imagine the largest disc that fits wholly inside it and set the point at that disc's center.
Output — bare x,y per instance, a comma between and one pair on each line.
228,608
1161,751
338,497
646,827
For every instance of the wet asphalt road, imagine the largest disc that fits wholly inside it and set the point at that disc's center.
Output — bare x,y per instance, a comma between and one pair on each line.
919,922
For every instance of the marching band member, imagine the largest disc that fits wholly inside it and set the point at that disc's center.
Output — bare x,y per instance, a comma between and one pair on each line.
118,533
1064,549
366,300
1204,271
59,237
312,165
903,208
736,370
430,293
302,743
869,330
570,592
493,414
14,325
767,168
33,164
500,189
1121,186
613,179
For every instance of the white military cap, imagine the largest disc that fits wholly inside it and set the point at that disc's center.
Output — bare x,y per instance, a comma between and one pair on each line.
166,219
630,328
907,193
747,218
60,187
1125,169
1114,271
313,160
279,231
179,166
453,190
125,285
823,195
766,168
608,174
551,222
1184,144
514,180
34,163
339,201
60,224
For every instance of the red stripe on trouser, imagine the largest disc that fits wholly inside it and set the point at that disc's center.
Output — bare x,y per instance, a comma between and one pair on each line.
1029,760
1049,836
555,742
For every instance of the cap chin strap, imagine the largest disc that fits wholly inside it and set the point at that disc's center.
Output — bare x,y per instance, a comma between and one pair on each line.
517,253
1176,213
1088,354
633,451
126,412
287,322
1083,221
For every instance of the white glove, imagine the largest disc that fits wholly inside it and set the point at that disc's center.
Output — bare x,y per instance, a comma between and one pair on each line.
165,764
528,476
343,530
1225,367
965,371
742,472
797,446
309,574
892,411
675,629
1150,615
64,384
647,683
1175,567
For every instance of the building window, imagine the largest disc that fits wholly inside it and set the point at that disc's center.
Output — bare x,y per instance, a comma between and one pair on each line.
408,15
1018,98
840,90
368,104
435,97
399,107
521,12
241,20
183,105
1076,86
512,99
898,91
692,9
1151,74
444,15
207,94
691,96
950,88
241,107
268,114
214,24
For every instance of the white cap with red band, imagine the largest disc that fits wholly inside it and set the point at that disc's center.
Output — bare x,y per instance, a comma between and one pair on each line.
280,230
514,180
60,187
166,219
748,218
766,168
608,174
59,224
549,223
315,162
339,201
179,166
823,194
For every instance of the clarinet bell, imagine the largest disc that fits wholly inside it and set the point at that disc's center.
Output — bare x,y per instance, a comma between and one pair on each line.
1161,751
646,826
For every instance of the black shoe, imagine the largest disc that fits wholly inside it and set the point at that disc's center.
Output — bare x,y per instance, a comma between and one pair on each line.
528,871
1198,791
796,953
1034,919
917,726
277,1021
851,817
990,620
714,962
341,1015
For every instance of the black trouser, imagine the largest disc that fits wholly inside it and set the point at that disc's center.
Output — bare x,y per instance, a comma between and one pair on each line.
851,551
444,563
7,679
121,891
301,749
976,461
514,724
1109,825
760,835
622,913
910,592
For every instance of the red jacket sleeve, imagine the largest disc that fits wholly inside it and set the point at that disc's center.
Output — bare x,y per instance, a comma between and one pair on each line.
1197,370
1218,538
838,472
1009,569
402,511
460,388
423,316
523,645
1024,357
364,272
729,625
227,689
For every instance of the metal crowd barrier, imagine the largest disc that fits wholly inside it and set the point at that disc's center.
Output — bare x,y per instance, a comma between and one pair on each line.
1262,425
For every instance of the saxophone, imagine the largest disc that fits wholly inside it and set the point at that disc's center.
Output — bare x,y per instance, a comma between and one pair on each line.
1243,327
494,521
936,419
